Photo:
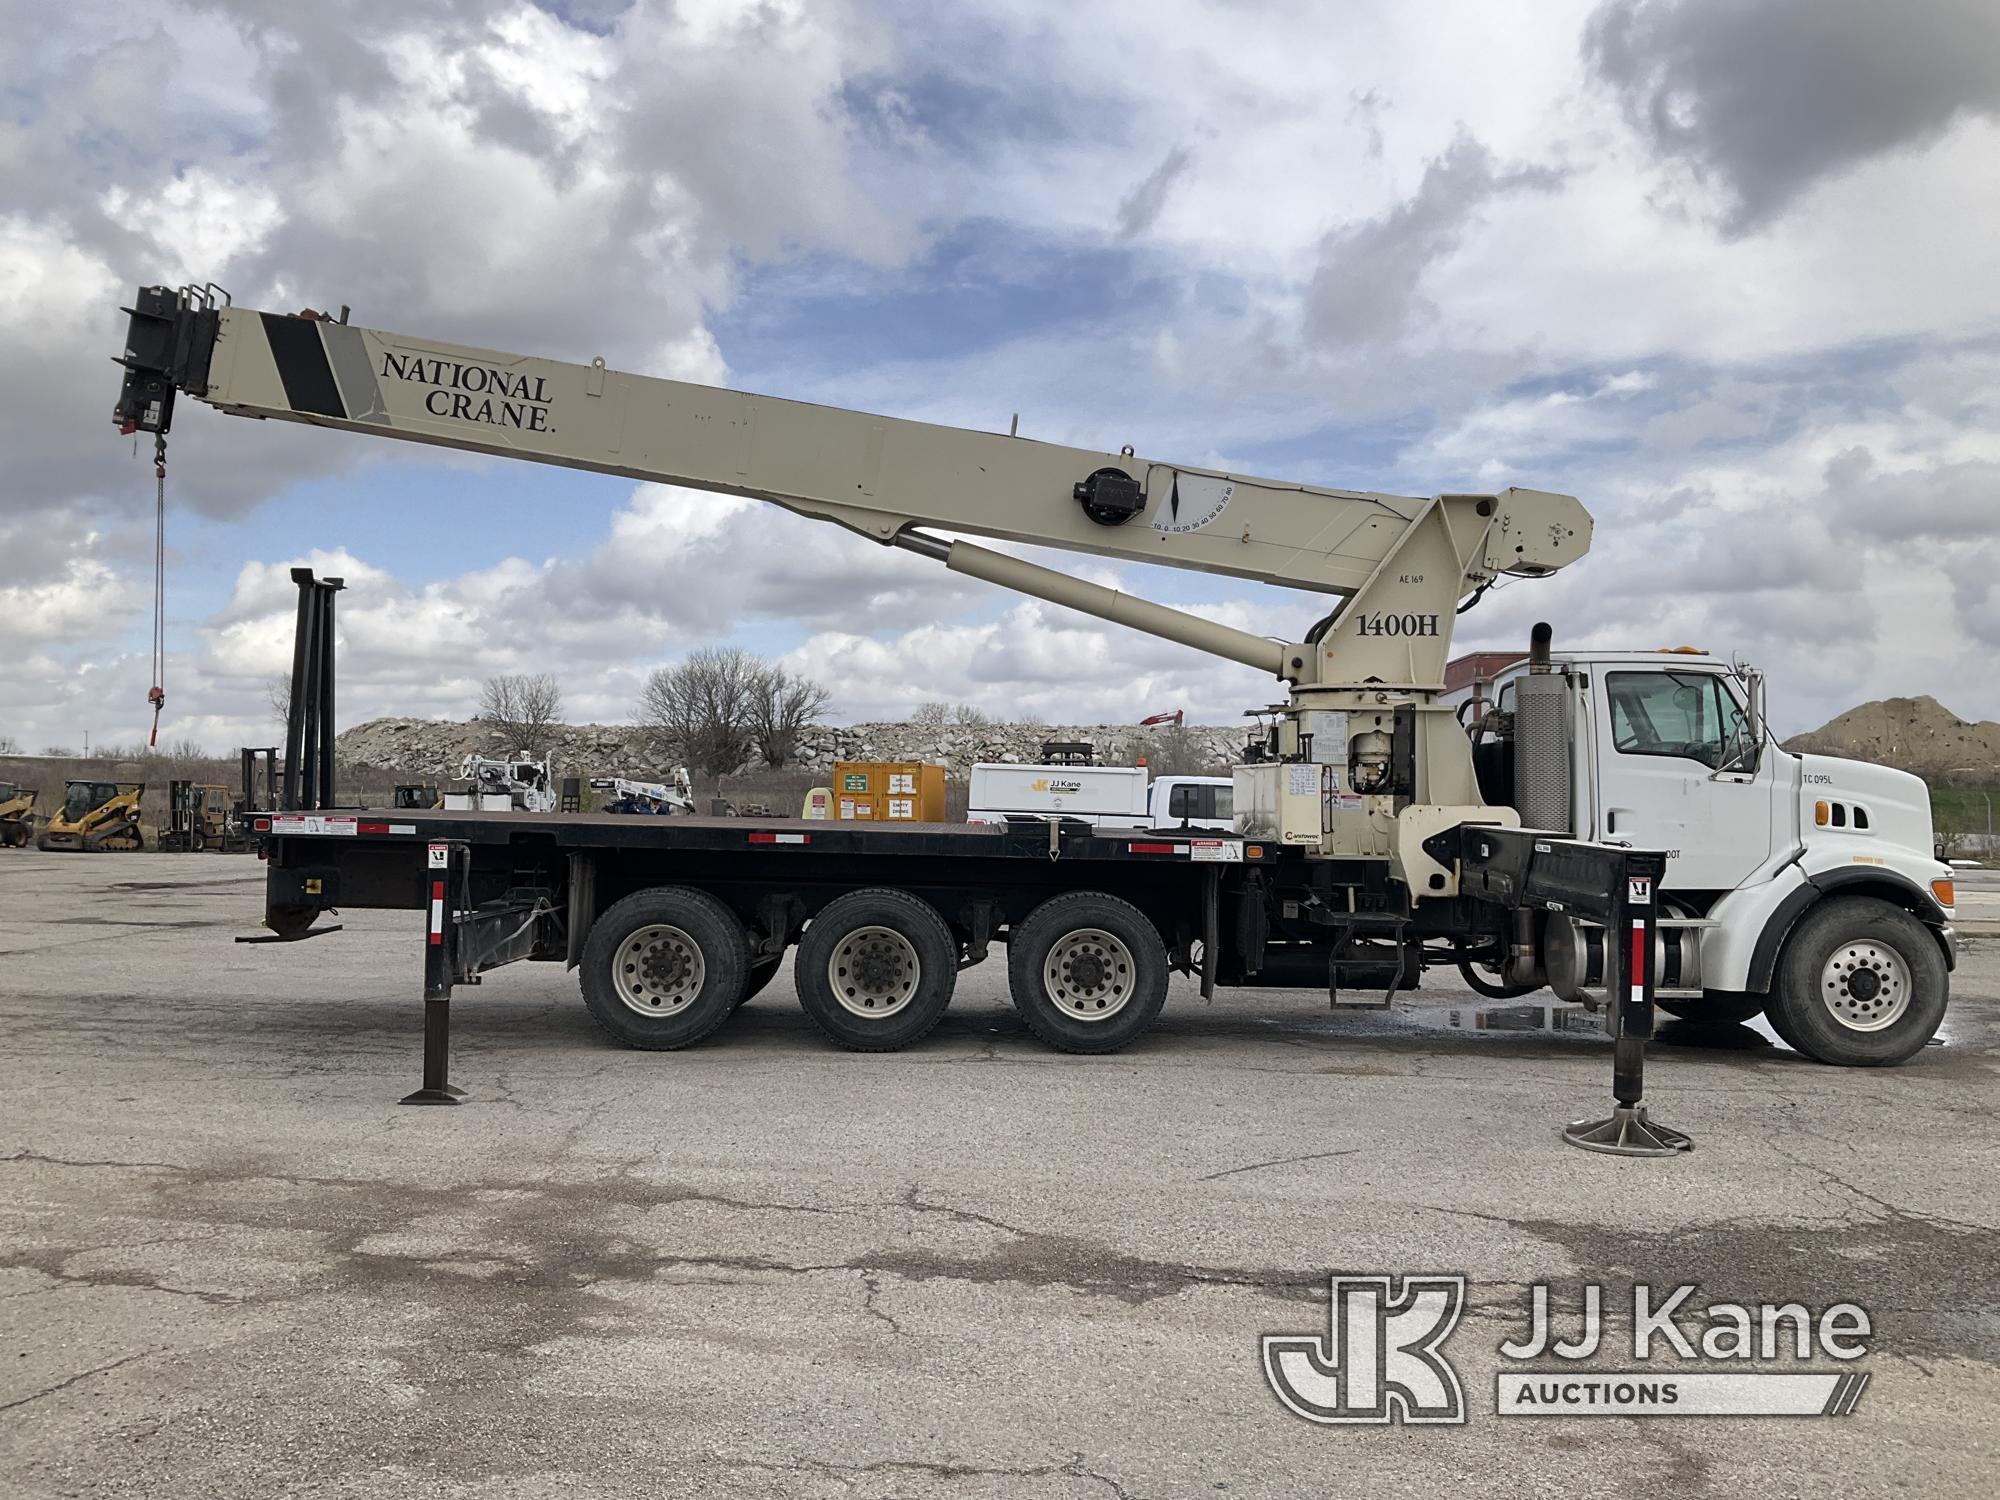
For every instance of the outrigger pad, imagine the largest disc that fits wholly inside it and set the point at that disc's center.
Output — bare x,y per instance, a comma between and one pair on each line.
310,932
449,1094
1627,1133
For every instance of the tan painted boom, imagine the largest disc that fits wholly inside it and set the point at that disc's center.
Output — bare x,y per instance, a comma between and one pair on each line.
1402,563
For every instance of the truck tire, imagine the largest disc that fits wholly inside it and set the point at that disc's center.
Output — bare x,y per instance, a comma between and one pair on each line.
1716,1007
1861,984
875,969
1088,972
663,968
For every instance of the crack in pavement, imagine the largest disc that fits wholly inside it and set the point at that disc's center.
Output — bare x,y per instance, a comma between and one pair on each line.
935,1468
1277,1161
869,1303
63,1385
52,1267
67,1161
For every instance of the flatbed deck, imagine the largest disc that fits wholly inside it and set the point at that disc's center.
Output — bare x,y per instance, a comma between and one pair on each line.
581,831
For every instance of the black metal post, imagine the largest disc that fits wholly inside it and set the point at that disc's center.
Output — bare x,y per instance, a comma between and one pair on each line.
295,705
1628,982
326,589
444,877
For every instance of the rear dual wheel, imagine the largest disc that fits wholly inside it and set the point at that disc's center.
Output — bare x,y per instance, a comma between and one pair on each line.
663,968
1088,972
876,969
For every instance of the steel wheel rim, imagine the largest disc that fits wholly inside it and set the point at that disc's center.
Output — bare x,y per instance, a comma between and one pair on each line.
874,972
1865,985
1090,974
658,970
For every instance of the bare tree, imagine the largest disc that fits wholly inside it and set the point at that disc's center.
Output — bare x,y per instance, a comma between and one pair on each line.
705,709
932,715
278,693
9,745
1172,751
186,749
525,707
782,708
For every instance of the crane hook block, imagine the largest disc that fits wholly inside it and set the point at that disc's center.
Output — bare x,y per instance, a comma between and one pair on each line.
1110,497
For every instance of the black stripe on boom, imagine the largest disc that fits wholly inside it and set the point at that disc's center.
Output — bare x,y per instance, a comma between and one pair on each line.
301,357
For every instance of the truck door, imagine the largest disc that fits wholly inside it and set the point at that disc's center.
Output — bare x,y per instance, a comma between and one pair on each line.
1198,805
1677,771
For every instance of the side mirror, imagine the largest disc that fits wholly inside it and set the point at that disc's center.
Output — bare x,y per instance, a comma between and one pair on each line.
1751,756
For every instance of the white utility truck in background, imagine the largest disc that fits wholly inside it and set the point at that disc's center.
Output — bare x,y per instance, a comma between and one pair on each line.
647,798
1102,796
1374,838
492,784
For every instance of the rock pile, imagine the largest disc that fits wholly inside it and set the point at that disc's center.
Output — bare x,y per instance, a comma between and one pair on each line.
1915,734
430,749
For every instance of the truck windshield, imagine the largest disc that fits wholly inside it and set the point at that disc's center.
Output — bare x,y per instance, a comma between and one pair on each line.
1685,715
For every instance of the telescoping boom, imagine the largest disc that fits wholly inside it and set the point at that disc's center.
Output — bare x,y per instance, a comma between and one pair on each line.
1398,566
1402,563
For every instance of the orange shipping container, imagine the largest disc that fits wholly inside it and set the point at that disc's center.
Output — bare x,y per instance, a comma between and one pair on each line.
888,791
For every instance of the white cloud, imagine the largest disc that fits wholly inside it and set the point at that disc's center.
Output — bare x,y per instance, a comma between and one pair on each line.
1361,266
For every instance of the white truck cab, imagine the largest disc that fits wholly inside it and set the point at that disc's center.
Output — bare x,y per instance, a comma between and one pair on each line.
1802,886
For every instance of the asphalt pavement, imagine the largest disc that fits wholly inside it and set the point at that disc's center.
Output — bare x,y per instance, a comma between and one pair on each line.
231,1265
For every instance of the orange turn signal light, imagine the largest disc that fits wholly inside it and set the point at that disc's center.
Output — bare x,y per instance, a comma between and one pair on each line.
1822,814
1946,892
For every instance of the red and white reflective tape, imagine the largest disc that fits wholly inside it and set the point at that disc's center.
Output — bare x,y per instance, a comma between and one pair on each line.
437,912
781,838
1638,958
1155,848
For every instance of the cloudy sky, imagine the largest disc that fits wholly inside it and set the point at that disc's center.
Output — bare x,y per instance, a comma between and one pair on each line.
1723,268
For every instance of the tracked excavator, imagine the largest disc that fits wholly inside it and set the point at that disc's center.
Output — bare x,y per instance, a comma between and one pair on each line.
1624,827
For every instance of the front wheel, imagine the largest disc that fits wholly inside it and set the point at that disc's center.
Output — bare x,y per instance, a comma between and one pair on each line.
1861,984
663,968
1087,971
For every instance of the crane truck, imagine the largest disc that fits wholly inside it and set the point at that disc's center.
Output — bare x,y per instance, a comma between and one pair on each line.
1628,829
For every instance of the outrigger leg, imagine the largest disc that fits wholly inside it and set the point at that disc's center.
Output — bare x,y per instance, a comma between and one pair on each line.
1628,975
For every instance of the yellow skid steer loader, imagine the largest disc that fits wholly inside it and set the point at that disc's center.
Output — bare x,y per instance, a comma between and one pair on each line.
17,814
96,817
